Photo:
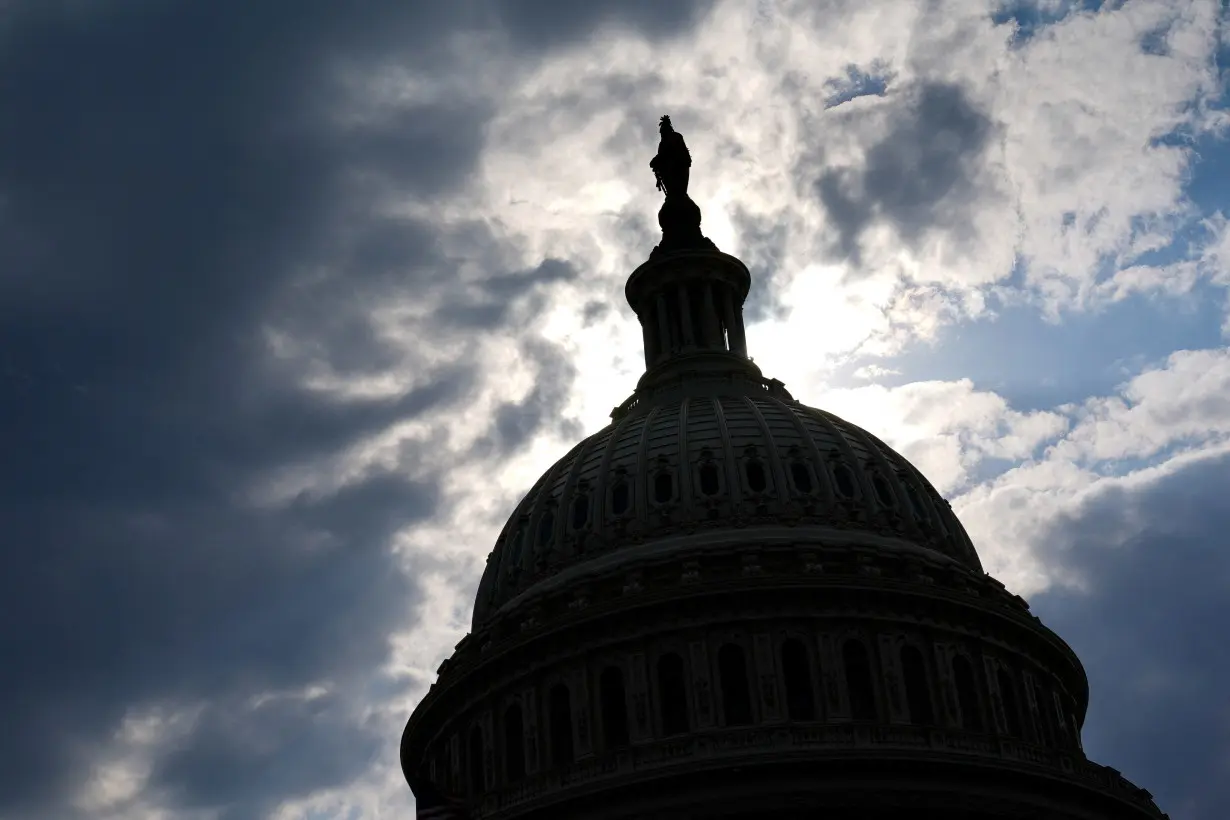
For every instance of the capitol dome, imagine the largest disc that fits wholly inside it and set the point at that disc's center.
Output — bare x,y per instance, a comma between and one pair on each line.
702,453
728,604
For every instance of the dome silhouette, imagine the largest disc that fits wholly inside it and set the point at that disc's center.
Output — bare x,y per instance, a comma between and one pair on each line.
729,455
728,604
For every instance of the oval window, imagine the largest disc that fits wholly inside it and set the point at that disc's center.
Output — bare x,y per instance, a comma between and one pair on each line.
546,527
580,511
663,487
801,476
619,497
756,481
709,483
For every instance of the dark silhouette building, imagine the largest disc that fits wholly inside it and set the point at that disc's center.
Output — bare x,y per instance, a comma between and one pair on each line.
729,604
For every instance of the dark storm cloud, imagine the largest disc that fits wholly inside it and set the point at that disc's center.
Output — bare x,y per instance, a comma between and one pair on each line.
175,181
501,293
921,175
1151,632
251,753
515,420
550,22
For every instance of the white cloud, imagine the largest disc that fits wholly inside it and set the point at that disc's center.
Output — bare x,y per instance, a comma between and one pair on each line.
1160,420
947,429
872,372
1185,401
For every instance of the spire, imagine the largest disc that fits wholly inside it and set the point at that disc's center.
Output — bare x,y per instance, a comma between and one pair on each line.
689,296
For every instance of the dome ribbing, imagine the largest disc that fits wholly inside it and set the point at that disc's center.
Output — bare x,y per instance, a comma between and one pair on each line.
728,454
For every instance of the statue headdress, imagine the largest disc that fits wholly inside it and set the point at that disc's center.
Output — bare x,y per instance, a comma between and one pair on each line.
666,120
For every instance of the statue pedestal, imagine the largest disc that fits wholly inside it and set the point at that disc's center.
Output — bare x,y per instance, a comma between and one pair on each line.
679,219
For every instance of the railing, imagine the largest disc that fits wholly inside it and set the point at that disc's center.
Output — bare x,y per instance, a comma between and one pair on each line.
773,387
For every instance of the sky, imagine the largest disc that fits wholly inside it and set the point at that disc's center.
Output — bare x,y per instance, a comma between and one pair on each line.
298,298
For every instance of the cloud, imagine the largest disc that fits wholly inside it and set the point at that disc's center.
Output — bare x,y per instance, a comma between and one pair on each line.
951,431
921,173
1156,585
548,22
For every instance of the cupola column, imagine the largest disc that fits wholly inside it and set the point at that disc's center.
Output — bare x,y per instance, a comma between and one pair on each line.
690,303
685,313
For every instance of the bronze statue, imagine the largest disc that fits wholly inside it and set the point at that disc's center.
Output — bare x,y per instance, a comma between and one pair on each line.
673,162
679,216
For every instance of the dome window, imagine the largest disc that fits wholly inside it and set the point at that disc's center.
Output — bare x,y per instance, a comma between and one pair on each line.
663,487
800,701
560,722
917,689
858,680
1046,716
620,497
709,482
614,707
757,482
580,511
477,775
514,744
546,528
1008,696
673,691
967,694
845,480
801,477
736,694
883,494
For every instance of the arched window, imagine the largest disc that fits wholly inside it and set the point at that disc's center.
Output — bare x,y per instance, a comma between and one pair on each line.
757,482
917,690
709,483
800,698
475,748
674,695
620,497
858,680
736,695
967,693
1007,693
514,743
614,707
663,487
580,510
1046,715
801,476
546,528
560,709
1073,722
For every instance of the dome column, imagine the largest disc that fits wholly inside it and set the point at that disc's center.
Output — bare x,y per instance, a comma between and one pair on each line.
690,305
